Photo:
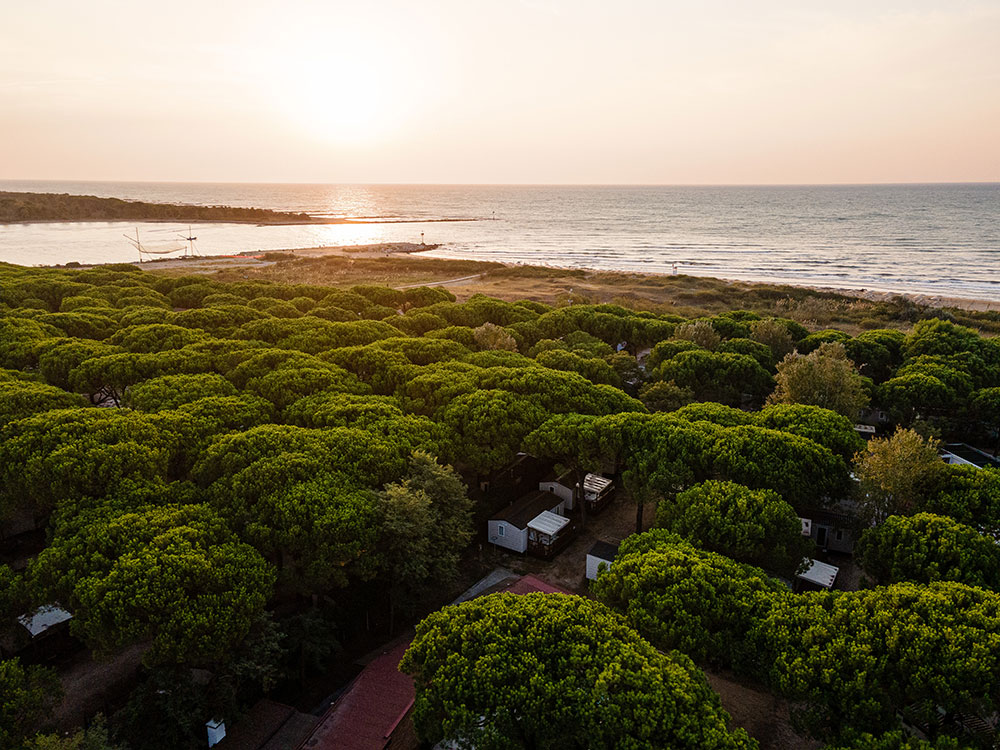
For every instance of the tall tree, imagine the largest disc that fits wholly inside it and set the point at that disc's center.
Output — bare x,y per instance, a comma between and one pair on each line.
925,548
574,676
753,526
800,470
892,474
176,575
425,523
681,597
824,377
823,426
489,425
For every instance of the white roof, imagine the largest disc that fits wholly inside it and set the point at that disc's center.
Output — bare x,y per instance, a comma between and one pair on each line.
547,522
820,573
44,618
595,483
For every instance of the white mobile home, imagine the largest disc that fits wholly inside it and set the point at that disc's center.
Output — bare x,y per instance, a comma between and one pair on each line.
559,485
509,527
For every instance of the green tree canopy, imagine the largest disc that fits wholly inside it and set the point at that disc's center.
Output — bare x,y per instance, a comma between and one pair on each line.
965,493
797,468
574,676
753,526
700,332
27,695
924,548
940,337
315,531
59,357
147,339
173,574
20,399
859,659
717,376
720,414
488,426
665,395
680,597
170,391
826,427
68,453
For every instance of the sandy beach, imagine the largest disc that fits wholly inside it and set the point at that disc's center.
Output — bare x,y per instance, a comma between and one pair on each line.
470,276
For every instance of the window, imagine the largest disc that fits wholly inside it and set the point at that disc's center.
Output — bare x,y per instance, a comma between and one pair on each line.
500,530
840,535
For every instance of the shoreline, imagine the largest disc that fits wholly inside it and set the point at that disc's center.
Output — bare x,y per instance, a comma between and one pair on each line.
262,258
248,222
873,295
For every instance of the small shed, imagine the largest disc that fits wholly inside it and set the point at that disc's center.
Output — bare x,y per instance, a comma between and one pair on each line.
509,527
819,576
597,492
601,552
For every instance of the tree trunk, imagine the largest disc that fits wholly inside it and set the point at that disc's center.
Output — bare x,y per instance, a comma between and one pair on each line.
639,506
582,498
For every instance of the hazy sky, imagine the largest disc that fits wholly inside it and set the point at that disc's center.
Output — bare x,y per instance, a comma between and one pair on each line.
468,91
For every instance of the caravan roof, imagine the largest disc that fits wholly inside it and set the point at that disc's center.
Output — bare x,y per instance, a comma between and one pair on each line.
547,522
519,513
43,618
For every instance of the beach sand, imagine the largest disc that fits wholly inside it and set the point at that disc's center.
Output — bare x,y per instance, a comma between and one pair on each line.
401,265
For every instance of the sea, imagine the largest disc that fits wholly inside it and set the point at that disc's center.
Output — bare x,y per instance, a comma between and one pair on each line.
931,239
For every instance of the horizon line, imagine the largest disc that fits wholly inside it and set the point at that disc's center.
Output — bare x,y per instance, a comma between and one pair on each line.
513,184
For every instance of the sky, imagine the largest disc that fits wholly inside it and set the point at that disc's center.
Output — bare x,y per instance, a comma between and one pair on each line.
519,91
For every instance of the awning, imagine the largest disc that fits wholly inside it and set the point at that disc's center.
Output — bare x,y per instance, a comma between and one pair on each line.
820,573
547,522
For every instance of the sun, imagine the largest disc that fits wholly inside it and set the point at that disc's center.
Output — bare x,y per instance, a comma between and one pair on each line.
343,98
354,108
